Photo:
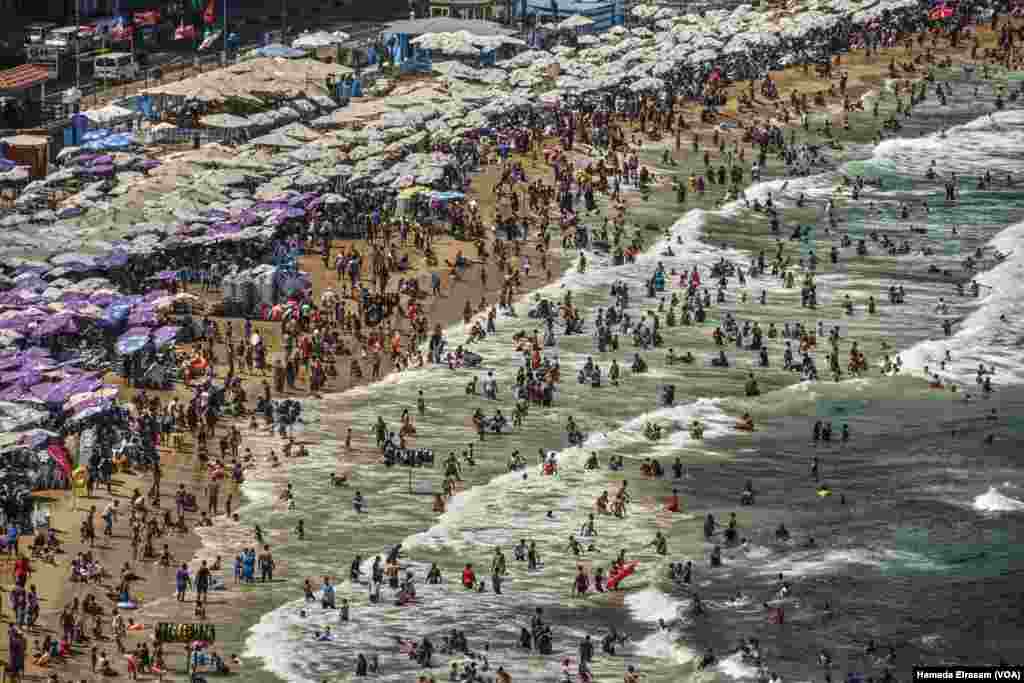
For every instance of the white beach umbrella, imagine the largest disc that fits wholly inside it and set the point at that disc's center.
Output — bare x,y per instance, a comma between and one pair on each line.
575,21
648,83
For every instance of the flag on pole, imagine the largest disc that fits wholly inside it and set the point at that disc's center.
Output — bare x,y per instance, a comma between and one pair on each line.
210,13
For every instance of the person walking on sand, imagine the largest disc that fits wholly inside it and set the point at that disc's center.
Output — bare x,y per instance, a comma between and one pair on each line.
266,565
202,583
182,581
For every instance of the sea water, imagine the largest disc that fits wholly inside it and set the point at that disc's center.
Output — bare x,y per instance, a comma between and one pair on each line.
920,550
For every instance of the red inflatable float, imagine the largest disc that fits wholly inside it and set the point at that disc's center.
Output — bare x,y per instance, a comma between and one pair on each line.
622,572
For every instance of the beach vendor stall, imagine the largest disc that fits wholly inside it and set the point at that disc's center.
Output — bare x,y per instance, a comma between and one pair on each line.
262,290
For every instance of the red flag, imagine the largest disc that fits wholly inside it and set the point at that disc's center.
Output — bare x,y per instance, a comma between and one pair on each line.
210,13
147,18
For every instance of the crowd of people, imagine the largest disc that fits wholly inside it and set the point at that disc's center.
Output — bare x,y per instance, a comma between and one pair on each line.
379,319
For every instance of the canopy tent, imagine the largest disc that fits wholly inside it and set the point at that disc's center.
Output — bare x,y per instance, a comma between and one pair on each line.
104,116
575,21
23,77
131,341
477,27
277,50
319,39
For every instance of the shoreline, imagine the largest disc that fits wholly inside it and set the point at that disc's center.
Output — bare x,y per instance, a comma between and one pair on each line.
191,545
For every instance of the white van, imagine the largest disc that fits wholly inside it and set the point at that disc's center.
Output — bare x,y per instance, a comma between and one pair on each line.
116,66
35,41
36,34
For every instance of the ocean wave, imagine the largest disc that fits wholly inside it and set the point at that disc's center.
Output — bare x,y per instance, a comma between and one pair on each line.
985,336
987,143
805,563
994,501
734,667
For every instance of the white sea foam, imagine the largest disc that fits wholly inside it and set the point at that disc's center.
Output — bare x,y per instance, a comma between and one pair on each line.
813,563
650,605
994,501
985,336
664,645
734,667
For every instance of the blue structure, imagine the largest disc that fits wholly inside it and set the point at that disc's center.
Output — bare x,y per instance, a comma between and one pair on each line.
604,13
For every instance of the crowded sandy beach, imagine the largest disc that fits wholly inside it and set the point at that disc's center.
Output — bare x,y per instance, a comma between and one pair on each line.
625,386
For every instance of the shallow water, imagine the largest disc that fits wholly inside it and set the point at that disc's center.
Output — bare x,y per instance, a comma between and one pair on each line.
917,546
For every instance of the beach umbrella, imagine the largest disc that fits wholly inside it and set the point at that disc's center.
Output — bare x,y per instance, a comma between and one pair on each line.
65,153
10,337
15,175
70,212
276,140
702,56
663,68
95,134
16,417
77,400
89,412
647,84
13,220
60,176
276,51
307,154
225,121
575,21
309,180
319,39
131,341
62,323
165,336
24,376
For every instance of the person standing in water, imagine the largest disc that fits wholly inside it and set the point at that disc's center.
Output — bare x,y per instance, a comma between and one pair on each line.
498,569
